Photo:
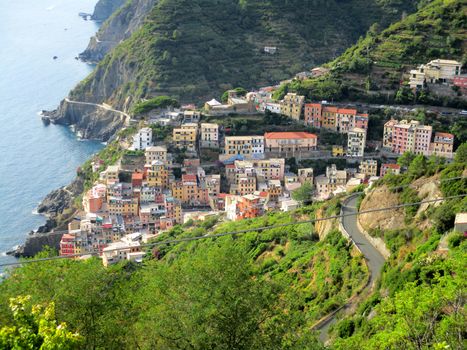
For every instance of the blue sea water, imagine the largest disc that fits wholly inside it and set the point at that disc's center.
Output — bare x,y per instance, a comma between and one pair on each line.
35,159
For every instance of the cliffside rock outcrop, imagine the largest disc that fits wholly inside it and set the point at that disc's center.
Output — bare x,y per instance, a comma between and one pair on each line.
123,22
88,120
105,8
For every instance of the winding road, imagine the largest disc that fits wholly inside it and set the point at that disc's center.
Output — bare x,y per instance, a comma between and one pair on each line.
103,106
373,257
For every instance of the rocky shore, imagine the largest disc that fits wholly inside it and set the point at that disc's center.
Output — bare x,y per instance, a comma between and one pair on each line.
87,119
58,207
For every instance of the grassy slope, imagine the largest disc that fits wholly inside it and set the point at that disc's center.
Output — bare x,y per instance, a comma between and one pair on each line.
375,64
198,48
420,284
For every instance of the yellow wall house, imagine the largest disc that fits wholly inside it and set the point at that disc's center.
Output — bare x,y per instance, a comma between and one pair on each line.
185,136
292,105
337,151
158,175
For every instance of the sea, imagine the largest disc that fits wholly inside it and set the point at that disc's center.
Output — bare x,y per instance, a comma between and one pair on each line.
36,159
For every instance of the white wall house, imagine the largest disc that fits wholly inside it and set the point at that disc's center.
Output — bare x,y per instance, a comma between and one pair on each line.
142,139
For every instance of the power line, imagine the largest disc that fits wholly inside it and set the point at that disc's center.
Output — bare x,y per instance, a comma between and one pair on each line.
234,233
361,192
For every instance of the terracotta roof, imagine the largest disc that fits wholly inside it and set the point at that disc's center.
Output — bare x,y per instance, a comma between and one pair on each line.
137,176
444,134
189,177
392,166
330,109
222,195
347,111
289,135
312,104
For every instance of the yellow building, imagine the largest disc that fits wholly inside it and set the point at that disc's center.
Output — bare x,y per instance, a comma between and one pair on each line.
329,119
111,174
186,136
337,151
158,175
248,146
292,105
369,167
124,207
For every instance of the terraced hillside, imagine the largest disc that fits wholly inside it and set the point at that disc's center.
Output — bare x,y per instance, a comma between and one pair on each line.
193,49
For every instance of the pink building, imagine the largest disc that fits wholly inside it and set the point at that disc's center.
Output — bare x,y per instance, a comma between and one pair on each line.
67,245
390,168
360,121
404,136
461,82
313,114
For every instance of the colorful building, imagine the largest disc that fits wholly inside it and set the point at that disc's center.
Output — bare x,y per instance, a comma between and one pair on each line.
209,137
247,146
369,167
292,105
442,145
155,153
390,168
356,142
290,143
185,136
404,136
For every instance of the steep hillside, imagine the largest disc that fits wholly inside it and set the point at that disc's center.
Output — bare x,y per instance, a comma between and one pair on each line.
105,8
196,48
123,22
420,300
373,68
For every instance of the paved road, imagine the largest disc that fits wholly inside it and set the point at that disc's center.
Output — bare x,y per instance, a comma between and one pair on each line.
103,106
375,260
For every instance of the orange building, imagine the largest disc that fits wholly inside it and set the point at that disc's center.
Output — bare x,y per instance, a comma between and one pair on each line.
67,244
313,112
249,207
290,142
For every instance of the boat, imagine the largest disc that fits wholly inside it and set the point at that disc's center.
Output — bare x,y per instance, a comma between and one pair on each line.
55,57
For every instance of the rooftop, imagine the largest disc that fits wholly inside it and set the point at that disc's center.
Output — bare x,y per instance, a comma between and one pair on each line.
289,135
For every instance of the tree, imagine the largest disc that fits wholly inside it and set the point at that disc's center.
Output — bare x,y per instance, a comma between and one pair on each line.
36,328
239,91
405,159
461,153
211,299
303,194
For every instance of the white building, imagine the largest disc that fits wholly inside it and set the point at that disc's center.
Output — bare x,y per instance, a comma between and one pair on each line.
142,139
128,248
356,142
209,135
273,107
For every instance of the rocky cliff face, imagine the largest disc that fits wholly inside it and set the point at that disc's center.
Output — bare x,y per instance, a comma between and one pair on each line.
124,21
88,121
105,8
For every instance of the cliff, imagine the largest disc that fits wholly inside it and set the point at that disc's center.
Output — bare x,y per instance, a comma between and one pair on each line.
123,22
105,8
90,121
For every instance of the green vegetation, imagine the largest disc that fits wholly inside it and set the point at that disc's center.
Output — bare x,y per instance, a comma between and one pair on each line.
424,307
255,290
239,91
35,327
154,103
303,194
372,69
199,49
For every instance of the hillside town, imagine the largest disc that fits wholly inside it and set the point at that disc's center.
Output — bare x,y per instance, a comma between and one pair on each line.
244,176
